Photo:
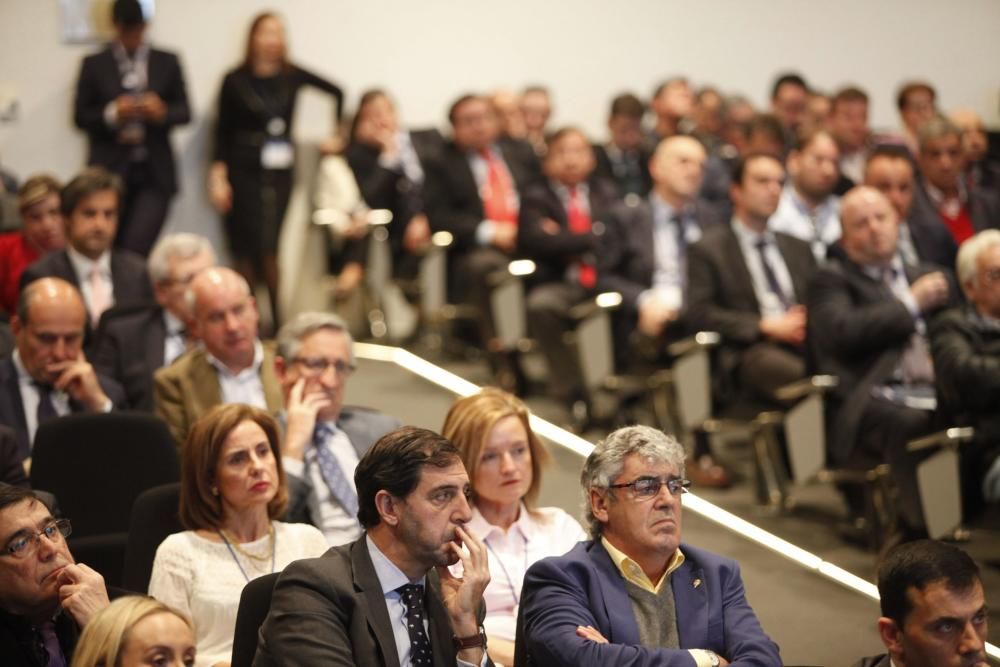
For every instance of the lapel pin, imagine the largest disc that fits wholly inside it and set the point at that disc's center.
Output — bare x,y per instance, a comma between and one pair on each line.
696,583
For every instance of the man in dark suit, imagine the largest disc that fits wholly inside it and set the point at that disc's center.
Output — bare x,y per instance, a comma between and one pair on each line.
636,594
965,342
748,283
232,365
134,341
933,608
323,439
942,190
560,226
46,598
128,97
104,276
48,375
11,467
390,165
922,237
388,598
474,192
867,326
623,159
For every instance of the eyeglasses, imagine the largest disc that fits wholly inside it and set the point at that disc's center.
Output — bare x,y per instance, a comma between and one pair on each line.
647,487
319,365
25,544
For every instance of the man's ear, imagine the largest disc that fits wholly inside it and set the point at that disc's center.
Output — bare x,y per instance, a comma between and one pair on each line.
599,500
891,635
387,507
15,324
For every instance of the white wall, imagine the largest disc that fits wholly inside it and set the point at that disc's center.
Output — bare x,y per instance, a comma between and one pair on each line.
427,52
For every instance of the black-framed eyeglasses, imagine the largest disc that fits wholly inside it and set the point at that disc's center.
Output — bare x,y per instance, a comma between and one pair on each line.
647,487
318,365
23,545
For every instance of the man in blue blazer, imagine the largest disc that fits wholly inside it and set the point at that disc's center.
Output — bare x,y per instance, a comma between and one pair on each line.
634,595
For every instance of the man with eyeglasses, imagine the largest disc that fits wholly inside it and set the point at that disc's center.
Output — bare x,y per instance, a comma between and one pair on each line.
323,439
232,365
133,341
46,598
634,594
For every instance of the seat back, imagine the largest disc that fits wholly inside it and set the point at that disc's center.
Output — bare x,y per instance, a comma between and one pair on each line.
154,517
255,602
97,464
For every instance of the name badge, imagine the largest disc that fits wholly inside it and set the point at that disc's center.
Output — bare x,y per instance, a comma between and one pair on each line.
277,154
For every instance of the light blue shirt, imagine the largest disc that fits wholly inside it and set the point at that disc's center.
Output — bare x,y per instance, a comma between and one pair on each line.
390,578
819,228
670,269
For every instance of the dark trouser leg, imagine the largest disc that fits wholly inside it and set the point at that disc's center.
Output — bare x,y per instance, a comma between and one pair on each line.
143,213
473,269
765,368
548,320
884,432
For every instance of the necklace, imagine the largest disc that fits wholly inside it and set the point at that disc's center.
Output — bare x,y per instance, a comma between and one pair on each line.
274,542
514,588
236,545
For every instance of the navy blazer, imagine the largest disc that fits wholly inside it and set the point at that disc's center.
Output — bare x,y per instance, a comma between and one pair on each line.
585,588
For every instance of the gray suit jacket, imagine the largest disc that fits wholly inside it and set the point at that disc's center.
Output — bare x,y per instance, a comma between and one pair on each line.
331,611
363,428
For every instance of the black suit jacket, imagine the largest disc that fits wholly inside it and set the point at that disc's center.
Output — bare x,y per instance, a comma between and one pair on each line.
931,244
630,251
100,83
129,347
451,194
387,188
554,253
11,469
12,409
129,279
20,642
606,169
331,611
857,331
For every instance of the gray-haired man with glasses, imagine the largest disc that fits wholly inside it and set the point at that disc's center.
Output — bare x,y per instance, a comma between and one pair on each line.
634,594
45,597
323,440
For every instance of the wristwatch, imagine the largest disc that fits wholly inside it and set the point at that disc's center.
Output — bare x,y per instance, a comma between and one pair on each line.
713,658
479,640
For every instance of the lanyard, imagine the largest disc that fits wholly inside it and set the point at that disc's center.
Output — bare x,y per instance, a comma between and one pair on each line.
514,590
134,71
274,544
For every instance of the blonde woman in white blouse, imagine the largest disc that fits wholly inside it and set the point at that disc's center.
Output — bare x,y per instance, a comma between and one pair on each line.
232,488
504,459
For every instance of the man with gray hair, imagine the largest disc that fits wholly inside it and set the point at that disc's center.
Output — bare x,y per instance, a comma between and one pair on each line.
965,342
943,190
634,594
323,440
134,341
230,366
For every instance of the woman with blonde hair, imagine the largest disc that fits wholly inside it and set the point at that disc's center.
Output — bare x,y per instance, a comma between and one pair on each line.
504,459
134,631
233,487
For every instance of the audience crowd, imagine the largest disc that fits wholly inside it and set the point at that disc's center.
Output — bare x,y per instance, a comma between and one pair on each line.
808,241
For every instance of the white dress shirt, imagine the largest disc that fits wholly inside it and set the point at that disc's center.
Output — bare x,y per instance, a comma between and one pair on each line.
30,397
174,343
245,386
820,227
770,305
337,526
83,266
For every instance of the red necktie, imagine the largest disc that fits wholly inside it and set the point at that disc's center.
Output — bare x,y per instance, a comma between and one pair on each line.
579,223
497,192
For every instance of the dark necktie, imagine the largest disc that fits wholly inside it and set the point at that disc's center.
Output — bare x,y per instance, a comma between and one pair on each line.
46,408
51,642
420,647
772,279
331,471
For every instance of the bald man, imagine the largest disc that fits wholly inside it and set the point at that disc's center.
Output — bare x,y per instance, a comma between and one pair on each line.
868,316
48,375
230,366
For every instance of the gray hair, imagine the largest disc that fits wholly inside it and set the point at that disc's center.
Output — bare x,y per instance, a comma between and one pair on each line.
607,461
968,255
290,335
936,128
175,246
